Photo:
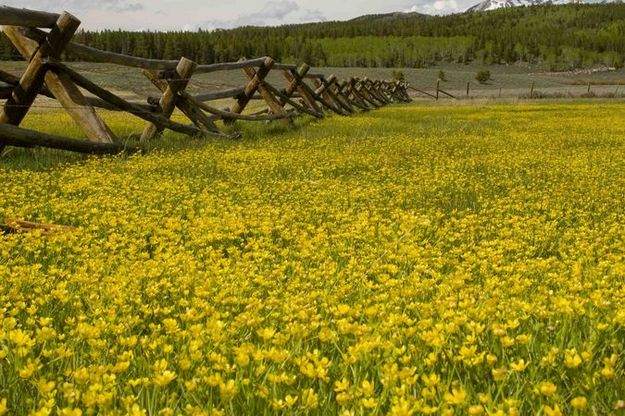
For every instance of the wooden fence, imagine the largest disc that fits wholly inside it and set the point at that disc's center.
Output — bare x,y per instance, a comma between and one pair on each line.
304,92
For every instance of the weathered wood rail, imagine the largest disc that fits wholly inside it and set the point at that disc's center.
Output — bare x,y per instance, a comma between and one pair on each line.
312,94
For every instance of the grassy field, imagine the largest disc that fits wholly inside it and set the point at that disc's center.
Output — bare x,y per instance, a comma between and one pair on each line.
412,260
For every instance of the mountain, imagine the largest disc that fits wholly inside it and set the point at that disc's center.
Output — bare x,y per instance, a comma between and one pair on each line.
388,16
488,5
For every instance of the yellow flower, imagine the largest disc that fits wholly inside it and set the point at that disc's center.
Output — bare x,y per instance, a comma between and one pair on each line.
456,396
547,388
266,333
431,380
290,400
552,411
228,390
476,410
366,388
341,385
164,379
519,366
369,403
499,374
579,403
572,360
310,399
3,407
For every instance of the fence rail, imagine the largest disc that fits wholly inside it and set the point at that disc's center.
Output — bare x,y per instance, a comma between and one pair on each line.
307,93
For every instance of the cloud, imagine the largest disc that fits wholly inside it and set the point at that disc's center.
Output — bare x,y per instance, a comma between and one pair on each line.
81,6
272,12
313,16
436,7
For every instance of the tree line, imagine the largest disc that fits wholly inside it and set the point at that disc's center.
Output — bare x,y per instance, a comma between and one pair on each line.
562,37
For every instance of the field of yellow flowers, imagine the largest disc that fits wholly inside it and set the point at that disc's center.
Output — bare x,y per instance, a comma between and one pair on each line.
414,260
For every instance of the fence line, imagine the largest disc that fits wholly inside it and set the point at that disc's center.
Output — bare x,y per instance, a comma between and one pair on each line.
308,93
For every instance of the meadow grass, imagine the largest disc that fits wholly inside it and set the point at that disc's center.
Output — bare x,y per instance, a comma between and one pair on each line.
412,260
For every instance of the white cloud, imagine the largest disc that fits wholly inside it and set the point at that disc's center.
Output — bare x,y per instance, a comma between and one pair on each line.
436,7
313,16
273,12
210,14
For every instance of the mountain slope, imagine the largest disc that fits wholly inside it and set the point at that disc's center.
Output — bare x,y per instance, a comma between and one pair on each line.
488,5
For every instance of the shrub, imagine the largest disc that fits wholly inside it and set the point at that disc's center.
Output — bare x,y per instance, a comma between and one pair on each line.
399,75
483,76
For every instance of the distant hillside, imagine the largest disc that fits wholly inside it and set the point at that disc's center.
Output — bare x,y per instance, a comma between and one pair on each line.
560,37
388,16
487,5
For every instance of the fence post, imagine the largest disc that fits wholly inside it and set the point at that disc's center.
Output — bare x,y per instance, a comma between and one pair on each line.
339,91
532,89
295,79
468,88
167,103
59,84
255,80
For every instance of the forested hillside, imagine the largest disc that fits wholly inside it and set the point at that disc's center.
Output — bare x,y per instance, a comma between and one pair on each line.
561,37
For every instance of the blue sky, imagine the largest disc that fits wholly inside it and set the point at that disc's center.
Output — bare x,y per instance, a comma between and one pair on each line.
211,14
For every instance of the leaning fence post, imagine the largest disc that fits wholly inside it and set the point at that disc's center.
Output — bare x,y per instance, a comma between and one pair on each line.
295,79
251,87
167,103
59,84
196,115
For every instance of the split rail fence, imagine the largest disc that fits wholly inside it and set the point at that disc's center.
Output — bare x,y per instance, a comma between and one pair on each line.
42,38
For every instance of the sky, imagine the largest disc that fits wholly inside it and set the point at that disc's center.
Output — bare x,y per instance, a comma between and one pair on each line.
226,14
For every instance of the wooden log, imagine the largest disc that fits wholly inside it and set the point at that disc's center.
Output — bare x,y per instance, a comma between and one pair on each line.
61,87
218,95
123,104
358,95
287,67
365,94
371,97
287,100
5,92
422,92
321,100
376,90
14,226
228,115
89,54
446,93
16,136
339,92
92,101
323,89
294,79
266,92
167,103
192,112
251,87
11,16
34,76
230,66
